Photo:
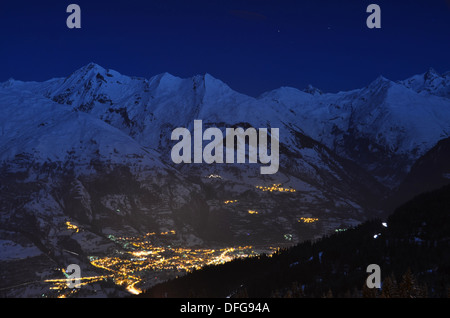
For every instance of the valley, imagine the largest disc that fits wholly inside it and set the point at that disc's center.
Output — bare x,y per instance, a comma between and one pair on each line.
87,176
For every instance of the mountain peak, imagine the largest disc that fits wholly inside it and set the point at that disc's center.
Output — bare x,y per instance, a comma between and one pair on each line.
205,77
430,82
209,79
312,90
210,83
9,82
92,66
379,82
165,82
166,76
430,74
381,78
87,72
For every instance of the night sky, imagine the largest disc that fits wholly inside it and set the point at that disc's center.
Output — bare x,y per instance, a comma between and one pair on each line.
253,46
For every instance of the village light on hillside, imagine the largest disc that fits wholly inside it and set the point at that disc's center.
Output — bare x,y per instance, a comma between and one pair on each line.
71,226
275,187
308,220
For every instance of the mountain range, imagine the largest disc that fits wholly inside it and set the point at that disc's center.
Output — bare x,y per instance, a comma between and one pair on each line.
93,149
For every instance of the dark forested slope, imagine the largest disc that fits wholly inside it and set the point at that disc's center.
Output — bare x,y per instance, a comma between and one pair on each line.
413,252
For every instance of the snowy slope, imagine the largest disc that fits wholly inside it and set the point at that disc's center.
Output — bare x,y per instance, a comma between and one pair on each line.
98,117
57,166
429,83
149,110
94,149
384,127
41,128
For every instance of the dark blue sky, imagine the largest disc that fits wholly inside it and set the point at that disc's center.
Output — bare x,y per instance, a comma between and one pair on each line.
253,45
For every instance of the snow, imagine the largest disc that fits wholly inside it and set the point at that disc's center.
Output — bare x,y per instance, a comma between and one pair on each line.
50,132
429,83
391,114
12,251
98,114
395,116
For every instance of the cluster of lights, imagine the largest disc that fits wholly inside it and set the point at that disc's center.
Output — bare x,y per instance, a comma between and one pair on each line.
214,176
275,187
142,257
61,284
308,220
126,271
134,239
73,227
172,232
252,212
230,201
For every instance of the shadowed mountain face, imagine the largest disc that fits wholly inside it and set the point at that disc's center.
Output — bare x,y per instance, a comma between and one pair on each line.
431,171
93,149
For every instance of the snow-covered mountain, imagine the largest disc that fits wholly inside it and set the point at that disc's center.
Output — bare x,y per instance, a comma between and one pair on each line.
148,110
383,127
429,83
94,149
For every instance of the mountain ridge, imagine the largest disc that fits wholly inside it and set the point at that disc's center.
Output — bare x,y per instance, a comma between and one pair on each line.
93,149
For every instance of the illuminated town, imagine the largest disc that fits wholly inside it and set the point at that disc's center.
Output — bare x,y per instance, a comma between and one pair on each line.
71,226
230,201
140,262
308,220
275,187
